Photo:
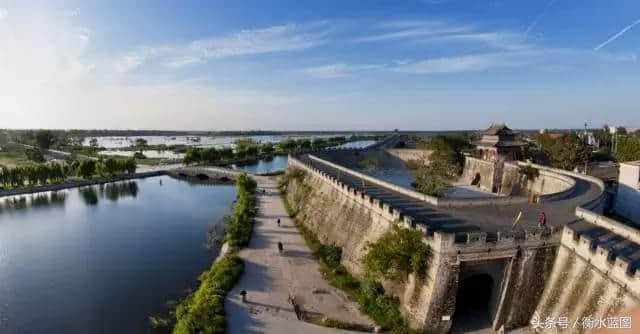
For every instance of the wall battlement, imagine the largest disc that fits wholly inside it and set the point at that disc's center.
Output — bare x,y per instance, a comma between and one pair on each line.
440,241
615,255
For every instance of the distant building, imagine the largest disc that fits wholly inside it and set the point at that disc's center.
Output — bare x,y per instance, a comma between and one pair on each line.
590,138
499,143
628,196
542,131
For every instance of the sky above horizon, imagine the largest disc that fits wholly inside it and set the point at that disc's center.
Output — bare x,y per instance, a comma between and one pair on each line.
319,65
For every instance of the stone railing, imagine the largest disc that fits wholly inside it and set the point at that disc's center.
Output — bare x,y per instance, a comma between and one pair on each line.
616,268
440,241
596,203
562,185
402,190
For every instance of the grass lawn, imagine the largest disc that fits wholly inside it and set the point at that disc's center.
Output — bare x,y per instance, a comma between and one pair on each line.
12,156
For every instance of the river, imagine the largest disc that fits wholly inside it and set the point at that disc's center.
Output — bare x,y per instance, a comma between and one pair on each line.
102,259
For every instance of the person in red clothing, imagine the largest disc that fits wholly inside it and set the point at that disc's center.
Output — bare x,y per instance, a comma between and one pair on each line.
542,220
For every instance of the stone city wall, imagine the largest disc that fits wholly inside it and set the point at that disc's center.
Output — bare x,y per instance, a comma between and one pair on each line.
342,215
483,170
410,154
437,201
586,283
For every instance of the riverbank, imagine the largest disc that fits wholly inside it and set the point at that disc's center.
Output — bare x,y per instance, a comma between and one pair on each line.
78,183
203,311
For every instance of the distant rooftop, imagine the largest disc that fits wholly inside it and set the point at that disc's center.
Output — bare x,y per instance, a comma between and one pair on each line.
498,129
499,135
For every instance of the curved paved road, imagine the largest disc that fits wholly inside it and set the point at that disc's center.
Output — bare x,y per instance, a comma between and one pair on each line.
490,218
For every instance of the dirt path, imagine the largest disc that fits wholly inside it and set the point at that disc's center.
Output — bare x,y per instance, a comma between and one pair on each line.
269,278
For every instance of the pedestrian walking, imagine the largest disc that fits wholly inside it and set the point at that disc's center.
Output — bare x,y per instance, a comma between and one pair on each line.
280,247
542,220
278,222
243,293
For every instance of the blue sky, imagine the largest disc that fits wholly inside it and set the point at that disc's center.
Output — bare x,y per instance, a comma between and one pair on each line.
312,65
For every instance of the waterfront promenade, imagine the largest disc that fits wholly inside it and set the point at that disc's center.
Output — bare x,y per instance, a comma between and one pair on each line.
269,277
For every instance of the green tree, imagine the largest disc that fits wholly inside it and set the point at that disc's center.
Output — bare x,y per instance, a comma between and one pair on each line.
111,166
34,154
210,155
192,156
267,148
397,254
44,139
567,151
130,166
86,168
93,144
318,143
628,148
435,178
141,144
305,144
287,145
226,153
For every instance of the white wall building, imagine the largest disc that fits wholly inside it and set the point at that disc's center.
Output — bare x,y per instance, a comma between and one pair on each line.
628,198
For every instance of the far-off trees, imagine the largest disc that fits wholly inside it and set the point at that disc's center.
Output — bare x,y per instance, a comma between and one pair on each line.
86,169
34,155
628,148
44,139
436,177
567,151
141,144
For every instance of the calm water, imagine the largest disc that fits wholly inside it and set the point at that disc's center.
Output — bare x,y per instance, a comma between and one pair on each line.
102,259
147,153
200,141
357,144
278,162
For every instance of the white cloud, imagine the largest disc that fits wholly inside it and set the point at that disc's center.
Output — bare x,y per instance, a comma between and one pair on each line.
547,59
288,37
339,70
498,40
403,30
3,13
442,31
183,61
477,62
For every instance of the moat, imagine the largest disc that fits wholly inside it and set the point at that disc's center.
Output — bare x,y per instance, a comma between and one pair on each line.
103,259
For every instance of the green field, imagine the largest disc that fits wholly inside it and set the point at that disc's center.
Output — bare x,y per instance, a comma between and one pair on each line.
12,156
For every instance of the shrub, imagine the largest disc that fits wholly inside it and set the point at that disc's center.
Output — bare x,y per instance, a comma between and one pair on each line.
203,311
239,226
397,254
34,154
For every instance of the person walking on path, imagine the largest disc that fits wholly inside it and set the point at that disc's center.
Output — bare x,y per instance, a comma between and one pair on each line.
278,222
280,247
542,220
243,293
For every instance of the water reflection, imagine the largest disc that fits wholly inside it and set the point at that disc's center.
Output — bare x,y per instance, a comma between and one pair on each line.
103,267
266,165
111,191
36,200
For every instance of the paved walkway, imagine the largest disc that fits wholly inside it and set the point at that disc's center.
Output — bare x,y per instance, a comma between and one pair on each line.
270,278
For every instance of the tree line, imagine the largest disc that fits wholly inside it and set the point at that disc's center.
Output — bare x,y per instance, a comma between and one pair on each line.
247,148
52,173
